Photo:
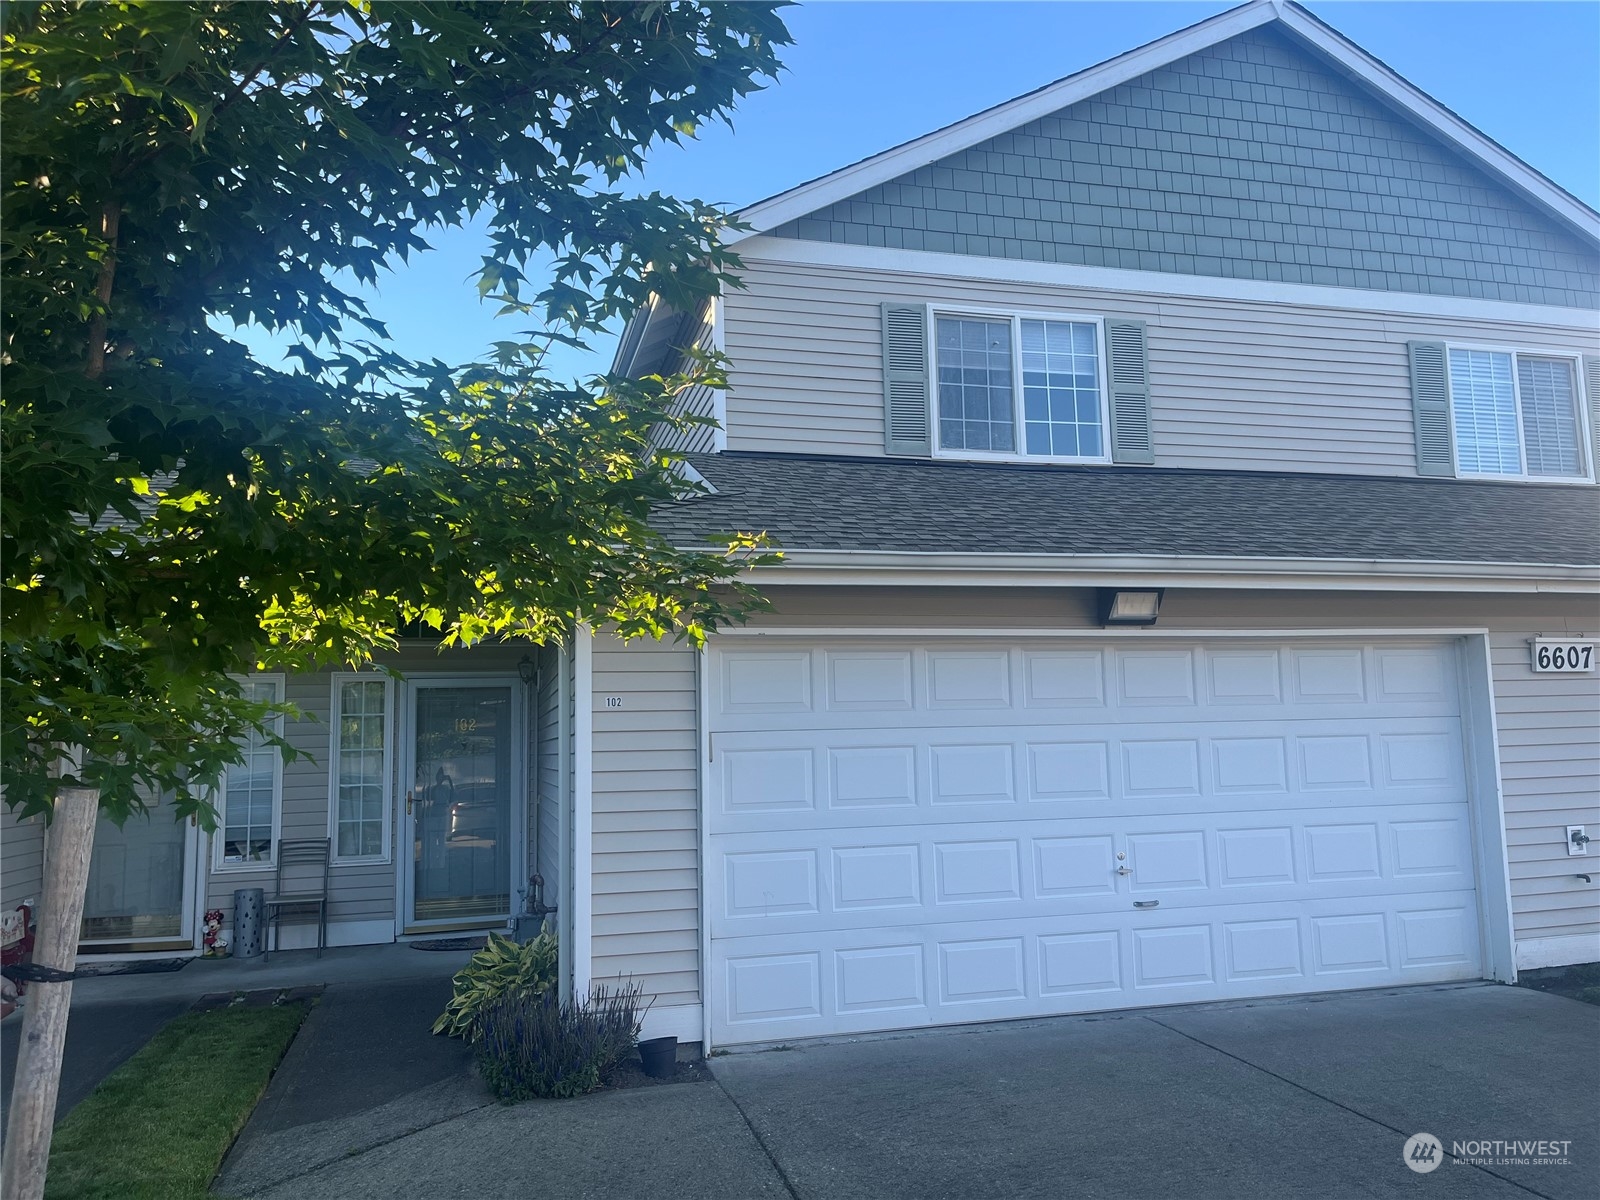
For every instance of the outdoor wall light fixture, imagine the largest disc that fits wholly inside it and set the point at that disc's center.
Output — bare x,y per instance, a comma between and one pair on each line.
1119,607
527,670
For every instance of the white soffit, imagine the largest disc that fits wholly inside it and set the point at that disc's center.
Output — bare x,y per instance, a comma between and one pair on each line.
807,198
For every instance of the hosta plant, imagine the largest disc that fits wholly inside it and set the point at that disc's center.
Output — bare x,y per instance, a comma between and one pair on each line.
502,970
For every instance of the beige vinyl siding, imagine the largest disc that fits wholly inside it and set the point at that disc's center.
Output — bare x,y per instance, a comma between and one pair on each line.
21,858
646,862
545,828
696,401
1233,384
1549,729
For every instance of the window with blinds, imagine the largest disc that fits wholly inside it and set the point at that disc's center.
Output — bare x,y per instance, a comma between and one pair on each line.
1515,414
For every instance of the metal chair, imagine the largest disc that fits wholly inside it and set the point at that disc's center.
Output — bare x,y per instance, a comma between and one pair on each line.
302,887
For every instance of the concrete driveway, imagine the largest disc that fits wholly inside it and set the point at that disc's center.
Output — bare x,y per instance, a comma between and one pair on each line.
1311,1097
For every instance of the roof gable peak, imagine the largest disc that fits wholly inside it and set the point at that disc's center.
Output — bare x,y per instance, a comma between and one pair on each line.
1305,29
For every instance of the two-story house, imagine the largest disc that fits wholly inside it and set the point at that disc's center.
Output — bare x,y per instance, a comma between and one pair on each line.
1186,474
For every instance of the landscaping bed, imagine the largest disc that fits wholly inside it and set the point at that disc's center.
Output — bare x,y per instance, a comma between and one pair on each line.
1581,982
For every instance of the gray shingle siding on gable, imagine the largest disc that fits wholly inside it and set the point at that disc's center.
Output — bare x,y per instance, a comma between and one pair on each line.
1247,160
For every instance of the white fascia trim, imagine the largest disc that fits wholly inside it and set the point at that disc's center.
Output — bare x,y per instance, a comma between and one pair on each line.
719,398
686,1022
1424,108
1141,633
633,334
582,811
702,670
795,251
1562,951
846,567
686,471
1497,936
890,164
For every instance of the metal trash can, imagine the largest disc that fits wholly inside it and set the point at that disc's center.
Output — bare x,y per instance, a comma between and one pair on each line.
249,924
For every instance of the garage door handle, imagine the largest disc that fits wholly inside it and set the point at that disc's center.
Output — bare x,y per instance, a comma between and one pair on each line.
1145,903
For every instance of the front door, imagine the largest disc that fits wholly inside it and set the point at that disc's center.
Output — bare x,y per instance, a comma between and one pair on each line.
460,821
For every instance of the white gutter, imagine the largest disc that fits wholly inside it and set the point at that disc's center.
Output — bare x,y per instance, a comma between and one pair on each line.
906,569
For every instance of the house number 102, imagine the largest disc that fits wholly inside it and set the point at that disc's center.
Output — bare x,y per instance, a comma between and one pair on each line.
613,701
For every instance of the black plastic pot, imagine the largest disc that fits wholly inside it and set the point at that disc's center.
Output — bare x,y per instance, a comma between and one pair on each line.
660,1057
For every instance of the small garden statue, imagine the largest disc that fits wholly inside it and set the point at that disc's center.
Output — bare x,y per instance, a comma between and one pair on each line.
215,947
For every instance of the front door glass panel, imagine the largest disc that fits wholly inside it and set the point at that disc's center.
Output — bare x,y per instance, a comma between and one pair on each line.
461,804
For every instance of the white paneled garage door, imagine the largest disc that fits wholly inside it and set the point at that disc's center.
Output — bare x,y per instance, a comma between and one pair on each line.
921,833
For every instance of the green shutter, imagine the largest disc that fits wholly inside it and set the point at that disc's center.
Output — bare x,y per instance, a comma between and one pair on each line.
1130,392
1430,408
907,416
1591,393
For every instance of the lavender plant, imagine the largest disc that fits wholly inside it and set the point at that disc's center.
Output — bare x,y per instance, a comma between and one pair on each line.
542,1046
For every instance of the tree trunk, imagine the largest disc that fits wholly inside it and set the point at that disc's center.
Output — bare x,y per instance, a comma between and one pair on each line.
44,1019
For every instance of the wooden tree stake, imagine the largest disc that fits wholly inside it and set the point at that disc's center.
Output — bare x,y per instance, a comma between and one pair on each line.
44,1021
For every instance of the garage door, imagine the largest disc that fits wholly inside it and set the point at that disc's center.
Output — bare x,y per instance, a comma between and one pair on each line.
905,834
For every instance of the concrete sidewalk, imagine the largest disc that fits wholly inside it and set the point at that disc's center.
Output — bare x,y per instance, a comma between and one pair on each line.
1308,1097
363,1071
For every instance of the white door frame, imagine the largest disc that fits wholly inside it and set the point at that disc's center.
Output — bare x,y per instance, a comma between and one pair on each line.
1479,734
521,770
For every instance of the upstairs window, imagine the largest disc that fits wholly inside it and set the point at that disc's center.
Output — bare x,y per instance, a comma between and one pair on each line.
1020,387
1516,415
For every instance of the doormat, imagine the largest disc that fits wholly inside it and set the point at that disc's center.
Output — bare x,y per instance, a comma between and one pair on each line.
152,966
460,943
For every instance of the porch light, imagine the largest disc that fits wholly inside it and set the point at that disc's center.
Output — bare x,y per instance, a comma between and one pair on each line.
1118,607
527,670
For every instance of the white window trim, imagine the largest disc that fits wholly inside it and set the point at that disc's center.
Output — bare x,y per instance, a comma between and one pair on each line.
1579,399
1016,317
340,678
220,797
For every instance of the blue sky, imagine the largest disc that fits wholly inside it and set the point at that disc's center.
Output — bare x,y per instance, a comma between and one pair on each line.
864,76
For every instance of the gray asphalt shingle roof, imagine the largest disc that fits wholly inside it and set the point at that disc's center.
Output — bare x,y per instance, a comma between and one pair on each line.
954,508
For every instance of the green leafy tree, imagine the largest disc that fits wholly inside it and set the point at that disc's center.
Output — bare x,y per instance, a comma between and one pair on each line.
173,512
172,170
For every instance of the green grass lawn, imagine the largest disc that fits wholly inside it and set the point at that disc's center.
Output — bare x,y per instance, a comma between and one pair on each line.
160,1123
